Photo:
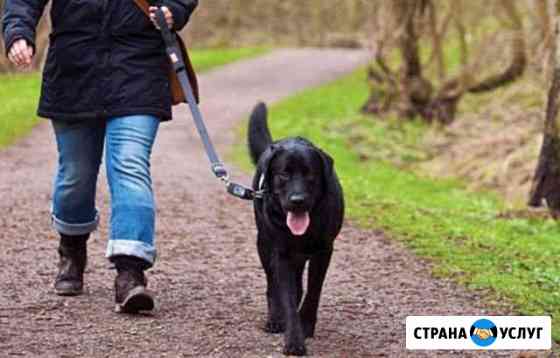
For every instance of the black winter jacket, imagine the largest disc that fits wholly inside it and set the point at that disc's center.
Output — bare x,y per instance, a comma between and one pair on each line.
105,57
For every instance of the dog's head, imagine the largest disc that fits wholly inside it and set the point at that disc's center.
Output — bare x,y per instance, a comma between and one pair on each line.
297,175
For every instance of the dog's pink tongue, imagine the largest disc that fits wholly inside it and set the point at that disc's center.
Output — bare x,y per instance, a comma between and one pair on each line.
298,222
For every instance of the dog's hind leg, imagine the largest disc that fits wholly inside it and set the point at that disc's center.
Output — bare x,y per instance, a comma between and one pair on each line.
286,278
275,320
318,267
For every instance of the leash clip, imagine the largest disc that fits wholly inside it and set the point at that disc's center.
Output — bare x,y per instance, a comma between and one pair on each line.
220,172
243,192
237,190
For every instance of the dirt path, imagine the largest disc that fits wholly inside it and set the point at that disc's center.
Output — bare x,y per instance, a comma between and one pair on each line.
208,279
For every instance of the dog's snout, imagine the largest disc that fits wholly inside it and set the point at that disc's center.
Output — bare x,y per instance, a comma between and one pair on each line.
297,199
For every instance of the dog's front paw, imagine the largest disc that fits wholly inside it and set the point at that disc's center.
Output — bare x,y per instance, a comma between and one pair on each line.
274,326
295,349
308,328
308,322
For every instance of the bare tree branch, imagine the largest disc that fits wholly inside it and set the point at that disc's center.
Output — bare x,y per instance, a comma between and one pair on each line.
437,49
519,59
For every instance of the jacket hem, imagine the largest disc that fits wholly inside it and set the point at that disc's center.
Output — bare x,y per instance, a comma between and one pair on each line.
71,117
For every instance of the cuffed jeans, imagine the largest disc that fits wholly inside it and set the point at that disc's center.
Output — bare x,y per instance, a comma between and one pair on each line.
128,146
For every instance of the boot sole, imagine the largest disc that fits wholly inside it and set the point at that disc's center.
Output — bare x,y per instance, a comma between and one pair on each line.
71,293
138,299
68,292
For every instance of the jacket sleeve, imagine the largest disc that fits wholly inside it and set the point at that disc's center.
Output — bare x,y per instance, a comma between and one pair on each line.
181,10
19,20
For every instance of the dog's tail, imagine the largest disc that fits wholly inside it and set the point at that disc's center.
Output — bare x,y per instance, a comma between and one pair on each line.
259,137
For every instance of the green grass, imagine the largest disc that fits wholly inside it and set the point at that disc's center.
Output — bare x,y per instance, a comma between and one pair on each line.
206,59
19,93
514,260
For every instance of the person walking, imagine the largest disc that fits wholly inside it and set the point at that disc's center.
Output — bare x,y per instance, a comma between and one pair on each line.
105,83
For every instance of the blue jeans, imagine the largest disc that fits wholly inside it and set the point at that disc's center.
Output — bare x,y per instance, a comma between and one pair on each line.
128,142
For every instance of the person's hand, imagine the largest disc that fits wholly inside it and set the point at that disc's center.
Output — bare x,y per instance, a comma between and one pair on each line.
21,54
168,16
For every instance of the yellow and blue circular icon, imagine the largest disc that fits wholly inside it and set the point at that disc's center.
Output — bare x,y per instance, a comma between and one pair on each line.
483,332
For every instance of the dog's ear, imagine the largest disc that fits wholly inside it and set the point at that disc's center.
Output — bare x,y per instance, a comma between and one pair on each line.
328,170
266,160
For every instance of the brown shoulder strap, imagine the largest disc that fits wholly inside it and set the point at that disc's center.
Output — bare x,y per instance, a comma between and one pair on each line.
176,92
144,5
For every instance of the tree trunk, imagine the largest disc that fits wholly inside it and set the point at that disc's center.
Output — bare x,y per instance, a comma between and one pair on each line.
410,91
546,182
416,90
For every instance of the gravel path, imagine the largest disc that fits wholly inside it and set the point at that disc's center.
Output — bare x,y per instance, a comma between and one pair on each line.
208,279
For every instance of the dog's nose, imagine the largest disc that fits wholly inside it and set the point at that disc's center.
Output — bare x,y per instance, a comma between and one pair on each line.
297,199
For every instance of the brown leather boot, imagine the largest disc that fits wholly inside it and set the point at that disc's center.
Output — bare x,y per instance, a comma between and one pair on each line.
73,258
131,294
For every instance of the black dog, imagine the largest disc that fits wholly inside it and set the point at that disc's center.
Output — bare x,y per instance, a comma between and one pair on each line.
297,219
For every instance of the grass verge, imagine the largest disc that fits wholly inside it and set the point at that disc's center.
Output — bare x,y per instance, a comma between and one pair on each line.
207,59
463,233
19,93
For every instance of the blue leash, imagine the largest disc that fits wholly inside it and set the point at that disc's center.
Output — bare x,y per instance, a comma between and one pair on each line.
178,63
